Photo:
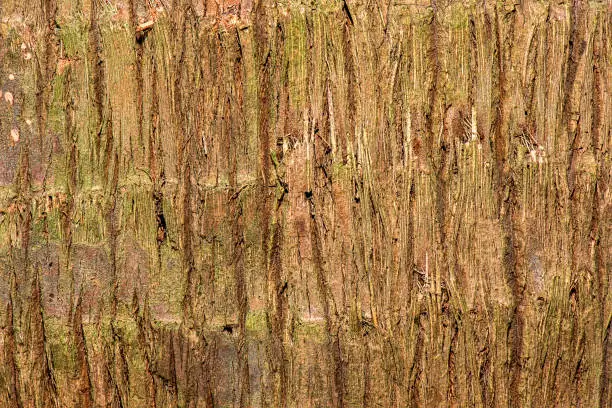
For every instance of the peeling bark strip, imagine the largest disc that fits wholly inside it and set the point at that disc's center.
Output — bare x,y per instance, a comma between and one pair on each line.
452,368
484,373
278,309
181,115
108,151
238,240
319,156
415,397
410,240
571,102
242,300
509,206
99,73
9,360
71,184
330,314
264,62
270,238
351,85
113,233
571,120
117,377
145,333
156,164
432,116
139,58
41,368
84,389
188,261
46,66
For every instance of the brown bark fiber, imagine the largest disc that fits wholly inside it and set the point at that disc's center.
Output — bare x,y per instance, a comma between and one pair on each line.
330,203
